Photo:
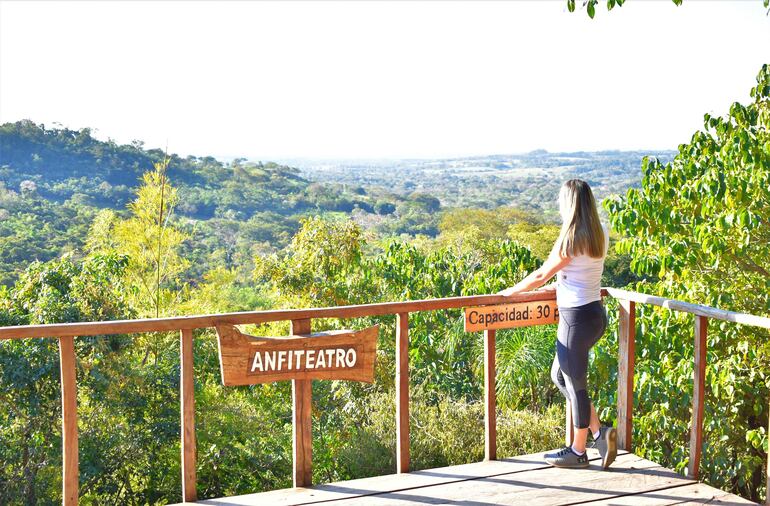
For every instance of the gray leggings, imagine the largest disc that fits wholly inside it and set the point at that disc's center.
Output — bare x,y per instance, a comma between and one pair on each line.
579,329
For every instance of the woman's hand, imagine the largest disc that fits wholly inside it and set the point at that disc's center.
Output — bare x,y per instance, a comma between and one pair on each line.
508,291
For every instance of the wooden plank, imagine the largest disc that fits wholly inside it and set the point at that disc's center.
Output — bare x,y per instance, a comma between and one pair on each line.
696,493
686,307
302,402
334,354
508,316
490,396
402,393
187,398
626,363
366,487
69,407
698,396
544,487
257,317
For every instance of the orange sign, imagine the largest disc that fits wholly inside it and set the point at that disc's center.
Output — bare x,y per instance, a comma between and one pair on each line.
507,316
336,354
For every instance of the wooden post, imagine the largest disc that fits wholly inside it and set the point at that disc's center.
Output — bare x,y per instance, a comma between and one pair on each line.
698,396
490,399
69,432
187,410
626,360
302,405
569,426
402,393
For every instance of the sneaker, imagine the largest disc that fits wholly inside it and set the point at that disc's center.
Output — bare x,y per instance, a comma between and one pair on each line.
566,458
607,444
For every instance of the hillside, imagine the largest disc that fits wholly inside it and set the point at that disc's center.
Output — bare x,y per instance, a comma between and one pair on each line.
53,182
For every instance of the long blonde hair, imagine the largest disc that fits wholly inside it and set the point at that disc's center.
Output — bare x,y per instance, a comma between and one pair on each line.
581,232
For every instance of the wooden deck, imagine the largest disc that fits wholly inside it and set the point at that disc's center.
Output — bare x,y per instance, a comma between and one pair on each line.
631,481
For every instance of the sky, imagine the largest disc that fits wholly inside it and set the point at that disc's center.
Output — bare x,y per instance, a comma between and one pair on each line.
392,79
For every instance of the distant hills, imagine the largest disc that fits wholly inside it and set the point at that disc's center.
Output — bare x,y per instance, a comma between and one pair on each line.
53,181
528,181
66,164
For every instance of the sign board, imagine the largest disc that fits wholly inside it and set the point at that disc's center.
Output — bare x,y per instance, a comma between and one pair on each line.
335,354
508,316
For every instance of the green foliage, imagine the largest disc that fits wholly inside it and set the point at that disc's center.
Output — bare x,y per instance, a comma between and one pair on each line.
700,224
128,406
324,265
703,216
489,224
58,291
319,267
450,432
32,228
150,240
539,239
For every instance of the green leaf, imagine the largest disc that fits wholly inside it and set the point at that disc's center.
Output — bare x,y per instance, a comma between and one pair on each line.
571,5
591,8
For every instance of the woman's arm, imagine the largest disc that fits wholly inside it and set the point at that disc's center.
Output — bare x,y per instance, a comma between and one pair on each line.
553,264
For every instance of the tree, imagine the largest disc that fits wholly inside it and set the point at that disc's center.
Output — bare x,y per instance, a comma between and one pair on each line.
319,266
700,223
150,240
382,207
61,290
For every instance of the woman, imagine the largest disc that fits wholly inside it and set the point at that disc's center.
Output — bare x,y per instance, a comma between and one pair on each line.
577,260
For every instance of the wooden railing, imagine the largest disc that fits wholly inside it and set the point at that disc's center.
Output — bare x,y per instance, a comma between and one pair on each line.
301,320
626,354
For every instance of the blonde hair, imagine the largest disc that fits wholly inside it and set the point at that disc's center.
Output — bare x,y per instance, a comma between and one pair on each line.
581,232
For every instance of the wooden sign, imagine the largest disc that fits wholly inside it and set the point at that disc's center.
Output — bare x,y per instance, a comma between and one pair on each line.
508,316
335,354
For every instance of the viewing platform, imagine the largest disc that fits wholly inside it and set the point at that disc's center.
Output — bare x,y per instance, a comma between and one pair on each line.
527,479
303,357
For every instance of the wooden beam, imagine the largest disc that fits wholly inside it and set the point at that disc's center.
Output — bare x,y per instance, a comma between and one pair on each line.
302,406
69,407
402,393
490,397
698,396
686,307
256,317
626,362
187,399
378,309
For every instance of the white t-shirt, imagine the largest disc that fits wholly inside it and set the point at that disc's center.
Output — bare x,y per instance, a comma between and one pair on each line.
580,281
